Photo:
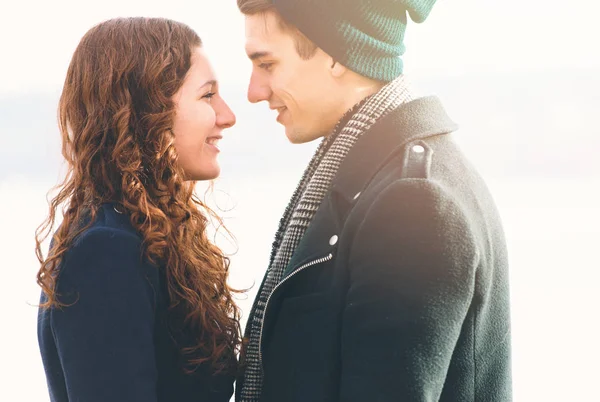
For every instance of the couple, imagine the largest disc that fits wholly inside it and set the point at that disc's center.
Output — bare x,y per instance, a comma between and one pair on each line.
388,275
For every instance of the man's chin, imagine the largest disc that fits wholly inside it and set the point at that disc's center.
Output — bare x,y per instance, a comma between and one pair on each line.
296,136
294,139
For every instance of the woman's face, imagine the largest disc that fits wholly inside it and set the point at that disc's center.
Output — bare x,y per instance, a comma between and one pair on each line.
200,116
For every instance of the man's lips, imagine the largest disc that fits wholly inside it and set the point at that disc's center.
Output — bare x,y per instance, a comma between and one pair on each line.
280,110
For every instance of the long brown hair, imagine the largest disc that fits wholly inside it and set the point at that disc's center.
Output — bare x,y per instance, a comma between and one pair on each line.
115,115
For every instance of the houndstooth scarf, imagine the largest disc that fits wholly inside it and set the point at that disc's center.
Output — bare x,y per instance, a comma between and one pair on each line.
305,201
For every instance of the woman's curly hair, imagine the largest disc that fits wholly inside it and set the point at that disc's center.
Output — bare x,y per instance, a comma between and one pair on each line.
115,118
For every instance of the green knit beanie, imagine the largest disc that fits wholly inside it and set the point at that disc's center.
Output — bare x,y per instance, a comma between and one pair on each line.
367,36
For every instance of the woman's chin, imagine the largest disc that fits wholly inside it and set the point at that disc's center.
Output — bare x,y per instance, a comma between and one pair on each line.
204,174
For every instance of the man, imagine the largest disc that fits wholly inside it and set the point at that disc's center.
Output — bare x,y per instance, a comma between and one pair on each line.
388,276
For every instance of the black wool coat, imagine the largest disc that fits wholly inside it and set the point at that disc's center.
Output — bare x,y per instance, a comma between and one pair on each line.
398,290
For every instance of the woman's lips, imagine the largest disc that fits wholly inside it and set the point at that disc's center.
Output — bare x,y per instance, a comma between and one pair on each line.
213,142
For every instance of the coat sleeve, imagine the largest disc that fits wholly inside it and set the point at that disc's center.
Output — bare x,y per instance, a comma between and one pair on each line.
105,338
412,274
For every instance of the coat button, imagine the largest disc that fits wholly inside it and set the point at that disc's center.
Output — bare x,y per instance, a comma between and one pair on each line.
333,240
418,149
356,196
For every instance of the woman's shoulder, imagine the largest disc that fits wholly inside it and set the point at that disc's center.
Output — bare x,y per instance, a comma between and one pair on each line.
109,248
109,236
109,221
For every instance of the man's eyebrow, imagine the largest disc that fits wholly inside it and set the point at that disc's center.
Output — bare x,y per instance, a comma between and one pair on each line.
257,55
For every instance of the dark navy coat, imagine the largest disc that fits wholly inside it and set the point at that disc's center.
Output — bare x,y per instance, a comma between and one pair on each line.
112,343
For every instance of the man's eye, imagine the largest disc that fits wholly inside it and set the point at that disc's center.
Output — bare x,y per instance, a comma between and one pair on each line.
265,66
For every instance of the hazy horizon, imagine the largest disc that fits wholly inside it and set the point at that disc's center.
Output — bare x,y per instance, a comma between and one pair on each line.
510,125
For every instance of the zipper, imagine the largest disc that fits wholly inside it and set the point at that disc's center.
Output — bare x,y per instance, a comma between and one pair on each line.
328,257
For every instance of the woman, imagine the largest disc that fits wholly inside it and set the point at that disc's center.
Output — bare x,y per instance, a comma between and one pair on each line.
135,304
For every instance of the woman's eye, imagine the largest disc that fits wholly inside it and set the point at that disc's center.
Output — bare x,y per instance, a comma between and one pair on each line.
209,95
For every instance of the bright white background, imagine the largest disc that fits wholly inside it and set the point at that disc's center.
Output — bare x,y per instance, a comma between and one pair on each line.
521,78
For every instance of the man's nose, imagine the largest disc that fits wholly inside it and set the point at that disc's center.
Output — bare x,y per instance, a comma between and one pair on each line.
258,89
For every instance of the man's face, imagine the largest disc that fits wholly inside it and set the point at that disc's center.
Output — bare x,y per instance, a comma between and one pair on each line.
302,91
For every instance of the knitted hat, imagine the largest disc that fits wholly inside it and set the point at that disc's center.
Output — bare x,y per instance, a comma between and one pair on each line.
367,36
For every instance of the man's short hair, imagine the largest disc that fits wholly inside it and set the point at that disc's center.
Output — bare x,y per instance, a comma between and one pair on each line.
304,46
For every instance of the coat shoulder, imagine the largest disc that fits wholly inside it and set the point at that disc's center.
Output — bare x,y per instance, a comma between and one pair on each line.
423,209
108,251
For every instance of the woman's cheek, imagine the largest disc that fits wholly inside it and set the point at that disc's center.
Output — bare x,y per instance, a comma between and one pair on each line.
209,119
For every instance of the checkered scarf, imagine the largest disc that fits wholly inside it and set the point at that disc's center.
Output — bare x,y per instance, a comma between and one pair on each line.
306,200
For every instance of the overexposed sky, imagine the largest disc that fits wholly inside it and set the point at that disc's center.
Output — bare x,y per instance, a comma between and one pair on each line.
461,36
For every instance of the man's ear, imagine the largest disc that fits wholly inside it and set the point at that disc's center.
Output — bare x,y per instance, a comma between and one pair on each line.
337,69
